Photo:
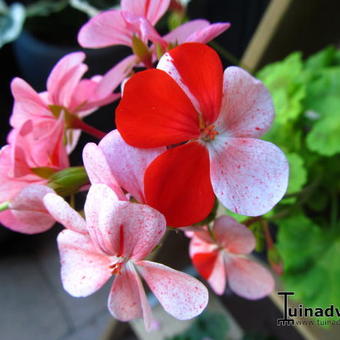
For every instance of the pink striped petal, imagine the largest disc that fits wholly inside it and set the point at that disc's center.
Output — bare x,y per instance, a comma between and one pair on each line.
233,236
27,212
27,103
247,109
249,176
127,299
128,163
98,169
122,228
61,211
105,29
64,78
208,33
181,295
249,279
152,10
84,270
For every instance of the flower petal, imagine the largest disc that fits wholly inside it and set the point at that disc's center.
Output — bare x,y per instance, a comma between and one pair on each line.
218,277
128,163
154,111
208,33
27,212
127,299
180,34
249,279
177,183
64,214
105,29
123,229
84,269
181,295
249,176
27,103
247,109
233,236
98,169
197,68
64,78
152,10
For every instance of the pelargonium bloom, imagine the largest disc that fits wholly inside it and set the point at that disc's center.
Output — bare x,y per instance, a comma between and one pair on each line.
210,123
137,18
115,239
35,151
219,257
66,93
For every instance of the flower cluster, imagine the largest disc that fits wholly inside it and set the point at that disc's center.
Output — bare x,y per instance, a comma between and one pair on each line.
187,138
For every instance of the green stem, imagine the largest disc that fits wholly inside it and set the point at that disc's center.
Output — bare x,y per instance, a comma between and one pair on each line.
4,206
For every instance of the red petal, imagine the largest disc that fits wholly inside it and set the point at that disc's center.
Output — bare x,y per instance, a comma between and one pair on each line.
177,183
154,111
204,263
200,69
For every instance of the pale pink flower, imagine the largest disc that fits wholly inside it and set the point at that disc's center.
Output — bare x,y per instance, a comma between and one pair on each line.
114,239
66,93
34,149
220,259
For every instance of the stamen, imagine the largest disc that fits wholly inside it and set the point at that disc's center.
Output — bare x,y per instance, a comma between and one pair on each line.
209,133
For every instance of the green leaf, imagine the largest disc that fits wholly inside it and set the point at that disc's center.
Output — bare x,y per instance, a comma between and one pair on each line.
297,173
311,266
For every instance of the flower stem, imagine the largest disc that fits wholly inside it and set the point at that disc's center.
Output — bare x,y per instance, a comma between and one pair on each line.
4,206
79,124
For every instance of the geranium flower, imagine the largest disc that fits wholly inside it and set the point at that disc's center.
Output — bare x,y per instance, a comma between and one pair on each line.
219,257
136,19
115,240
35,151
210,123
66,93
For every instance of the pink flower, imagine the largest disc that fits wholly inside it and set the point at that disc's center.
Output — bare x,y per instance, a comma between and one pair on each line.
115,239
35,149
221,259
117,27
211,124
119,165
66,92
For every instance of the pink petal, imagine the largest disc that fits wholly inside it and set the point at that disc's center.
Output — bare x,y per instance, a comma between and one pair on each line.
181,295
84,270
128,163
64,214
247,109
120,228
208,33
218,276
64,78
249,176
249,279
27,212
180,34
27,103
152,10
98,169
127,299
105,29
233,236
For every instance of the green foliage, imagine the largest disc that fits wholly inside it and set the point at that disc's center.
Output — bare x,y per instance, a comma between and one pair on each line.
208,325
306,95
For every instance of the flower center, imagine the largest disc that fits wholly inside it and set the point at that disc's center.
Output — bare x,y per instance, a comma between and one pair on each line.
116,267
208,133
